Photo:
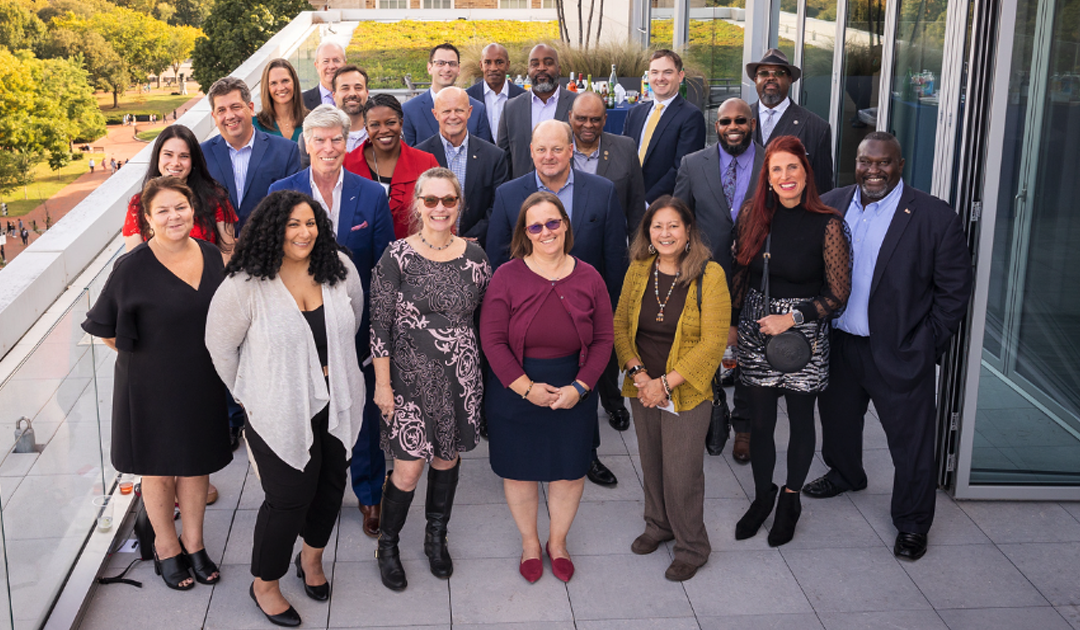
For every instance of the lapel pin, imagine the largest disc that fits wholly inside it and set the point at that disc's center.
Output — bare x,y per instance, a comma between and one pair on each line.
906,211
796,122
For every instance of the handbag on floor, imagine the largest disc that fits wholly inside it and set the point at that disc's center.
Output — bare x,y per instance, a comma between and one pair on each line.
720,420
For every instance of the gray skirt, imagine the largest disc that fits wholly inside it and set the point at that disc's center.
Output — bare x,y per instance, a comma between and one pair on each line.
755,369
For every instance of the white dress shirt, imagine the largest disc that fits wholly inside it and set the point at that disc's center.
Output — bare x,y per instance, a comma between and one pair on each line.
495,102
334,209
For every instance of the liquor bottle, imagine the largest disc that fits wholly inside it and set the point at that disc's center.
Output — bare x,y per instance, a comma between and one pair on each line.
589,85
571,85
604,95
682,88
613,80
581,82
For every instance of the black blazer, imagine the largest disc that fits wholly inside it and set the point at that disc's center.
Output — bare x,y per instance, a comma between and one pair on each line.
815,134
476,90
680,132
312,98
485,171
515,129
920,288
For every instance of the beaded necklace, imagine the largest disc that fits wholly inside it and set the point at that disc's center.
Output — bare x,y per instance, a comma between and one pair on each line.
656,289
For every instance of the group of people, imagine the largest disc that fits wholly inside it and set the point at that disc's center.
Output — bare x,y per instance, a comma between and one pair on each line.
346,278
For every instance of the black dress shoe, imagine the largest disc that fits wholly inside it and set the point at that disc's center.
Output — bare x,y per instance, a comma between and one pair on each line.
910,546
600,475
290,618
619,418
234,437
319,593
823,488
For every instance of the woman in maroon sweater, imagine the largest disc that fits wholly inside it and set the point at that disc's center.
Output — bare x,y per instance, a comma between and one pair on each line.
547,331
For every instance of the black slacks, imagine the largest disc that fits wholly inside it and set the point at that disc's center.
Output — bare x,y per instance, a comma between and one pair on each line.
304,503
907,417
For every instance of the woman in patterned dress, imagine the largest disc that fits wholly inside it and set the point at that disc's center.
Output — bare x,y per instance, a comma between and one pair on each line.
429,386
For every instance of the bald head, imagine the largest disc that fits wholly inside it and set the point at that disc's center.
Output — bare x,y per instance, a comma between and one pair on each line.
587,117
544,71
587,100
552,129
735,126
495,63
329,56
551,150
452,109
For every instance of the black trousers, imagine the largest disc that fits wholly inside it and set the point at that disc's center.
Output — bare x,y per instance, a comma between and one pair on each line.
610,395
907,417
740,406
304,503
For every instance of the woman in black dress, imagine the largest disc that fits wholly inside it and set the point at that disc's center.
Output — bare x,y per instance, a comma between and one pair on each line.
809,282
169,415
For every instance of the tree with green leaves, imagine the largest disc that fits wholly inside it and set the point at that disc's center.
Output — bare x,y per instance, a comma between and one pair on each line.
139,39
191,12
20,29
180,46
106,69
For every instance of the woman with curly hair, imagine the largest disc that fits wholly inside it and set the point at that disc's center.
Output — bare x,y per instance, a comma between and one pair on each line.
282,113
281,333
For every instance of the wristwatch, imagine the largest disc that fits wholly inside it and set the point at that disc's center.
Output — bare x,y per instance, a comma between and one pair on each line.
797,317
581,390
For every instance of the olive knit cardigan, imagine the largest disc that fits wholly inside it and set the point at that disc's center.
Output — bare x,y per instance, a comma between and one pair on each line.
698,345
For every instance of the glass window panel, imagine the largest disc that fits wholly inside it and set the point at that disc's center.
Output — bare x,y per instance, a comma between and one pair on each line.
438,4
661,23
715,50
819,45
787,26
514,4
863,36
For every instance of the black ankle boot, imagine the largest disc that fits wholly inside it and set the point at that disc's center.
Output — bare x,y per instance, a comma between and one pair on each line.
759,510
788,509
441,487
395,508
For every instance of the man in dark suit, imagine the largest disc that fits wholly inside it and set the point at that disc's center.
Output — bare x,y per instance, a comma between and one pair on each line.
597,221
329,56
546,101
444,66
777,115
479,165
495,89
361,216
910,286
714,182
665,130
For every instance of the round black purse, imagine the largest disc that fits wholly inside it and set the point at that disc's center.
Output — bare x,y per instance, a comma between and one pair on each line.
789,351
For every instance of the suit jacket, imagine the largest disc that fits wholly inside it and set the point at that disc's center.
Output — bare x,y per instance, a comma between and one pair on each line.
515,128
476,90
698,185
921,285
411,163
272,158
815,134
365,227
312,98
485,170
420,123
597,222
619,164
680,132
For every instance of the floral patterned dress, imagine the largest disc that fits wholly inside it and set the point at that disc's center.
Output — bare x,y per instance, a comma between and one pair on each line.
422,317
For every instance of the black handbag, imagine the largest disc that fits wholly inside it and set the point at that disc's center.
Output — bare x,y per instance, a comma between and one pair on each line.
790,350
720,420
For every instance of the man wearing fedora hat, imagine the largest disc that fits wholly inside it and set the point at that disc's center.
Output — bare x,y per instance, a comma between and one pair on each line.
777,115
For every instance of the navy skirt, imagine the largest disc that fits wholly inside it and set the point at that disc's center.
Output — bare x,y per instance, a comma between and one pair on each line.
530,443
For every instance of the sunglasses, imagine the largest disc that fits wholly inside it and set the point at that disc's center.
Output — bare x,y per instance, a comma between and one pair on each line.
537,228
449,201
764,74
724,122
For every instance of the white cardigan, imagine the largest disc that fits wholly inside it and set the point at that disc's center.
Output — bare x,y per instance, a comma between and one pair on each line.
264,352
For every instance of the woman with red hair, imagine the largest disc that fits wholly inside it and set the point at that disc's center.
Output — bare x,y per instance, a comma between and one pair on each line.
808,253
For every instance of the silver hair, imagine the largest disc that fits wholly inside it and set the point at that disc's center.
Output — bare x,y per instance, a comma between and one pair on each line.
436,173
329,43
325,117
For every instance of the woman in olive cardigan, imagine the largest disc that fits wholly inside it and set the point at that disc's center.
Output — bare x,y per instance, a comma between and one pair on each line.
670,348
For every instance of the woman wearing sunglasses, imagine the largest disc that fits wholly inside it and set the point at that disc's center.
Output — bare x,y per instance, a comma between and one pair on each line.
426,352
547,333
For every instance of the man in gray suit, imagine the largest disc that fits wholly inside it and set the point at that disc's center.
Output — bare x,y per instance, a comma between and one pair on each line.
546,101
714,182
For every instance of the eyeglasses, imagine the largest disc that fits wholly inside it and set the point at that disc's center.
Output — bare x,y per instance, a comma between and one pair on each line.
441,63
764,74
449,201
537,228
724,122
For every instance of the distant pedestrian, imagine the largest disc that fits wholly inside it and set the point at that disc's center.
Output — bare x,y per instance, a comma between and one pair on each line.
91,166
20,225
33,225
25,237
48,220
112,164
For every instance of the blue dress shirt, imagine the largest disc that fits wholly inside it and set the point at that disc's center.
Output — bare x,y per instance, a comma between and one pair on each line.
565,194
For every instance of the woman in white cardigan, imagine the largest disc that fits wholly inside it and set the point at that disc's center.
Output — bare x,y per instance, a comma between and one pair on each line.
281,332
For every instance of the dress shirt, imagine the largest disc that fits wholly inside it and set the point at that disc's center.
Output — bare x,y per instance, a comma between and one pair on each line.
334,209
587,163
457,160
240,159
565,194
868,227
327,96
495,102
768,121
651,110
744,162
355,139
542,111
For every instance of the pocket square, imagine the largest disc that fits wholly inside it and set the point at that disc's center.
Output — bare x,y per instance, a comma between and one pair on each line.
358,227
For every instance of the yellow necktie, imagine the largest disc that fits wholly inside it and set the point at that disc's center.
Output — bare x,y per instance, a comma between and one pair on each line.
650,127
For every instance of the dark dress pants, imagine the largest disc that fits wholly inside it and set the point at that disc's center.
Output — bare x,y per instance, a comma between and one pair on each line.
368,467
908,419
610,395
740,406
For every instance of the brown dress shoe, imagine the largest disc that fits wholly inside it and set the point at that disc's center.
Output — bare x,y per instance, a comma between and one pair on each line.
680,571
741,450
371,519
644,545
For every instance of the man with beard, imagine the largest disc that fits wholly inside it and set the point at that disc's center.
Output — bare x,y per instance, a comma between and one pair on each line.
350,94
546,101
444,66
777,115
495,90
714,182
910,286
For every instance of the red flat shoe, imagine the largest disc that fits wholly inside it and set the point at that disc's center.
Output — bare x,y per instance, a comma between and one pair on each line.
561,568
532,569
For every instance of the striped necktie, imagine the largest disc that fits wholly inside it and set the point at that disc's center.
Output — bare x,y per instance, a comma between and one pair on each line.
650,127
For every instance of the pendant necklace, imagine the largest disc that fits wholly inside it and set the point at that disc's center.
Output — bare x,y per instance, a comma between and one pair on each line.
438,249
656,290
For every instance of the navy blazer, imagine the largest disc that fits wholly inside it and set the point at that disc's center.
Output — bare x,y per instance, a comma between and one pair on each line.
920,288
598,223
476,90
485,170
272,158
420,123
312,98
680,132
365,227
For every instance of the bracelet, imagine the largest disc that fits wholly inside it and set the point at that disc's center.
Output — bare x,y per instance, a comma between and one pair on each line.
636,370
527,390
667,389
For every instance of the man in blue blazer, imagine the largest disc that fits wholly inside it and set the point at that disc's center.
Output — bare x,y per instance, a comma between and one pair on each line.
596,218
243,159
362,222
665,130
496,88
444,66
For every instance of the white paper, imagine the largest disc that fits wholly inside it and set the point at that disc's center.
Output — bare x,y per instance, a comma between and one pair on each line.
669,407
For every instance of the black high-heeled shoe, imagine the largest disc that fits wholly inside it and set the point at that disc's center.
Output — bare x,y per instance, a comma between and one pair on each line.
319,593
290,618
173,571
201,566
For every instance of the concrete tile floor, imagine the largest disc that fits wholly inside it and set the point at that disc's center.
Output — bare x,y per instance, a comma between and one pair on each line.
990,565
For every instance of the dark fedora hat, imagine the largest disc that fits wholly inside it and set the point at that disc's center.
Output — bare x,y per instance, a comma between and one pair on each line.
774,57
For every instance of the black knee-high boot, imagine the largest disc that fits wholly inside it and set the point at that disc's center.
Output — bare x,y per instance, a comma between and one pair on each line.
788,509
395,508
759,510
441,487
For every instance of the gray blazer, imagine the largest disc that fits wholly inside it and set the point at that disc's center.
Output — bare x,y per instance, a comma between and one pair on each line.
515,129
620,165
698,185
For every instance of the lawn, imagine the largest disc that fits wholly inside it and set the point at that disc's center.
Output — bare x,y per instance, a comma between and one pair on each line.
161,102
46,184
149,136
